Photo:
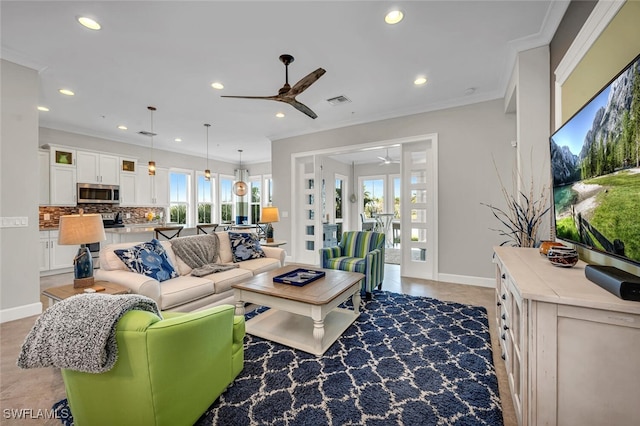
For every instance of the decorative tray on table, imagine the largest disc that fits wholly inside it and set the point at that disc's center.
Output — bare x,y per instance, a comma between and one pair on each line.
299,277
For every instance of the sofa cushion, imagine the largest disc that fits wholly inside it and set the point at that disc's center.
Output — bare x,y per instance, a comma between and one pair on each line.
222,281
180,290
245,246
263,264
148,258
224,253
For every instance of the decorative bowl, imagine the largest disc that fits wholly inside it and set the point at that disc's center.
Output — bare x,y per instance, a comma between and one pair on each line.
562,256
547,244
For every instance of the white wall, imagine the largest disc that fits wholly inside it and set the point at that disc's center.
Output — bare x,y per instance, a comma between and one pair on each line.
469,137
19,276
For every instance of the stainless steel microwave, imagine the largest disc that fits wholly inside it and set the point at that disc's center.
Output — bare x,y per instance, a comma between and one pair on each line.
96,193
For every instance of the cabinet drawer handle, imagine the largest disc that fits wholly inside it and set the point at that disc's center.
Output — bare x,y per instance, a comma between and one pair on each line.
504,316
503,356
499,304
505,327
504,276
503,336
504,297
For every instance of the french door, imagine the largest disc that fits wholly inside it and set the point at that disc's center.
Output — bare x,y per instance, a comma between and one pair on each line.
419,210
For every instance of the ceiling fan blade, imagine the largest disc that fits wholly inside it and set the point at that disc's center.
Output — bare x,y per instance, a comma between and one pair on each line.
299,106
382,158
270,98
305,82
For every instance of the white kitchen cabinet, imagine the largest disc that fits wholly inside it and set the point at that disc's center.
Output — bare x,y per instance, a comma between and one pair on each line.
569,346
128,182
161,187
62,156
153,190
43,166
54,256
62,184
128,189
93,167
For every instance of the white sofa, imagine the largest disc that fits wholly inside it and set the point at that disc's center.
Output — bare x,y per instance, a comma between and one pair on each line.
187,293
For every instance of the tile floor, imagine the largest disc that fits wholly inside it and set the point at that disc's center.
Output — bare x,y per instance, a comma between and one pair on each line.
39,389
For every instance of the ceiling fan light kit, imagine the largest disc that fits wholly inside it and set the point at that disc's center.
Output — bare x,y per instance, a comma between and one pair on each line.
287,94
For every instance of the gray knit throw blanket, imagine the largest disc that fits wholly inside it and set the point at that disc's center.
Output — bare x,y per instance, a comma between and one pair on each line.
200,252
79,333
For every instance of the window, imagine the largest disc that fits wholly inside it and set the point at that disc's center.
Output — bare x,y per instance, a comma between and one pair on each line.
268,191
372,195
226,199
254,203
204,199
179,196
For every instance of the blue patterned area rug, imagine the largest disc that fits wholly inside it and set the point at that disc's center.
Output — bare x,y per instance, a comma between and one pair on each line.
406,360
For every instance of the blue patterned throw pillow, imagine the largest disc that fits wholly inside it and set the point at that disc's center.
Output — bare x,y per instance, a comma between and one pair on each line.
149,259
245,246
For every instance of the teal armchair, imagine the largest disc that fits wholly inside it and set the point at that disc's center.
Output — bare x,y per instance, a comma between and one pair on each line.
168,372
358,251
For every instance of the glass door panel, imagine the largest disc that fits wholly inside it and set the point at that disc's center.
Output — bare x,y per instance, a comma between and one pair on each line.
418,246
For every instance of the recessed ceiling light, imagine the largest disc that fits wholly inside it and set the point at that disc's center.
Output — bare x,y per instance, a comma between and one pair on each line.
217,85
122,127
43,108
89,23
393,17
178,140
280,114
420,81
66,92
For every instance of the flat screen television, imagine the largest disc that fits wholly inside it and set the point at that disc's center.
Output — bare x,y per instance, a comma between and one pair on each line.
595,166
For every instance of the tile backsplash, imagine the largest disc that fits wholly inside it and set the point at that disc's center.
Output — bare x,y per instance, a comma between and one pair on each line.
137,214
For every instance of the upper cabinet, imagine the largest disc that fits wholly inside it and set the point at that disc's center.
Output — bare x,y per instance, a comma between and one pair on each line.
128,182
63,157
93,167
153,190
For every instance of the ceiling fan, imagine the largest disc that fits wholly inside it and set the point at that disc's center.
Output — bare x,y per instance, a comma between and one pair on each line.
287,94
388,160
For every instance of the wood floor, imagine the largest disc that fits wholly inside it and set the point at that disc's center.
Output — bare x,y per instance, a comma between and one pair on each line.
38,389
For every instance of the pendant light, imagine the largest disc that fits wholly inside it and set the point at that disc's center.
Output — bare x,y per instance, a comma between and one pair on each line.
152,164
207,172
240,188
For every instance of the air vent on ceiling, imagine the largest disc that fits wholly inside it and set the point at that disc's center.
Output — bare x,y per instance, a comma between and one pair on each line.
339,100
145,133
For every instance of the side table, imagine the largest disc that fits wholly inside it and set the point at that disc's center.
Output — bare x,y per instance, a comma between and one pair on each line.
56,294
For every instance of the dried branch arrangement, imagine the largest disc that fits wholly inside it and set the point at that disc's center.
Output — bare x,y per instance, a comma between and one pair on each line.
523,215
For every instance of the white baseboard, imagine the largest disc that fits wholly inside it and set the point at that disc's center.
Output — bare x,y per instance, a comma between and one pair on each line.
465,279
19,312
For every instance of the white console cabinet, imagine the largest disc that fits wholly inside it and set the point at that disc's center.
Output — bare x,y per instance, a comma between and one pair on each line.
570,348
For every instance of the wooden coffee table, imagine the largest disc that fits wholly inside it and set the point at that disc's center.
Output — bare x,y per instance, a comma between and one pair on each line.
305,318
56,294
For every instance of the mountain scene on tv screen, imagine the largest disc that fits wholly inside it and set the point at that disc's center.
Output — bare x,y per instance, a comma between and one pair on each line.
595,160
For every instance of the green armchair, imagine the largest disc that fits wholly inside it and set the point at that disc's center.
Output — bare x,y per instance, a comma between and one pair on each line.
168,372
358,251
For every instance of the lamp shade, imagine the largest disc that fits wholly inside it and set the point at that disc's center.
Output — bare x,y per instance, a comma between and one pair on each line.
81,229
270,215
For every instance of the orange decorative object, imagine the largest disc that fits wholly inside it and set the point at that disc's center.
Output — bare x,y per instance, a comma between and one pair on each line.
546,245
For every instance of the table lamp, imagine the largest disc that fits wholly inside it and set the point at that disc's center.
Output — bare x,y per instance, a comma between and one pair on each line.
269,215
81,229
